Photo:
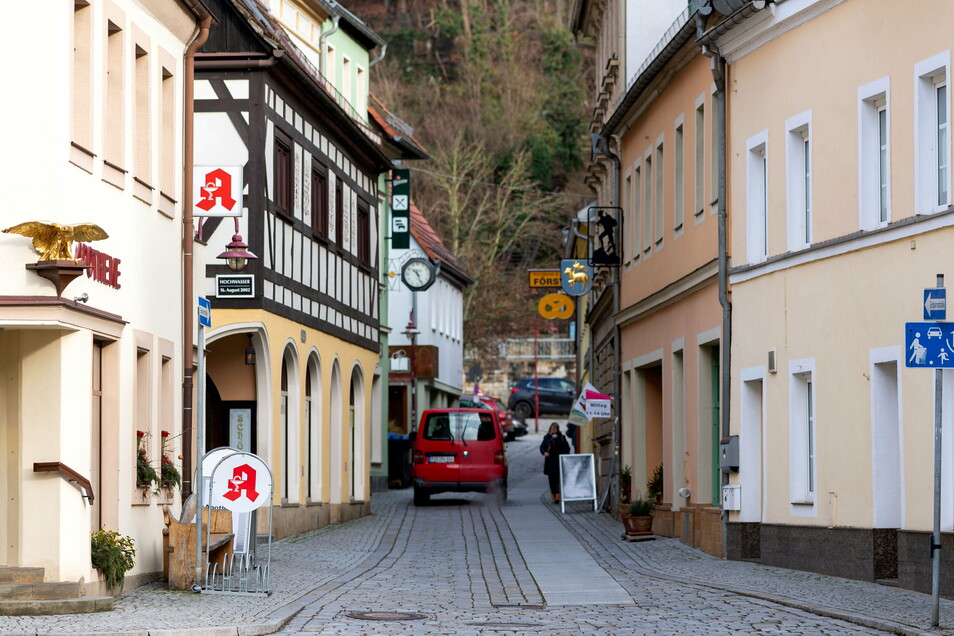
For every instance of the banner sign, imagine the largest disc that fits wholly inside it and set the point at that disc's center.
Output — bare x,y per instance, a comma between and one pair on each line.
400,209
604,235
544,277
217,190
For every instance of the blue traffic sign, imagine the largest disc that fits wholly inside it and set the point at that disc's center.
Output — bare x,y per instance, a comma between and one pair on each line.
205,312
929,345
935,303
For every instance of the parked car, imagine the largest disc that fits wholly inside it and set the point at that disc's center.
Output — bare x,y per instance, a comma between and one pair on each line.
557,396
458,450
475,401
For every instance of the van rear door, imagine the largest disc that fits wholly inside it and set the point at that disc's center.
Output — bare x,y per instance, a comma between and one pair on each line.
438,442
481,440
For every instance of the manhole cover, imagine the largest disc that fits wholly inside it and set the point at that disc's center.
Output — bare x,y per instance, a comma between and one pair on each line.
504,624
386,616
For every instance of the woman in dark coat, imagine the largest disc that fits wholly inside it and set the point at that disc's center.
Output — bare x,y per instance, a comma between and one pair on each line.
553,445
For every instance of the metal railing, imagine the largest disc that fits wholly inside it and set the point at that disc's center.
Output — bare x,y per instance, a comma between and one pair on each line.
546,349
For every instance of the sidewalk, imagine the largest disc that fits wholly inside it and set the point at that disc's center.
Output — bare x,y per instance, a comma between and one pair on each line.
313,570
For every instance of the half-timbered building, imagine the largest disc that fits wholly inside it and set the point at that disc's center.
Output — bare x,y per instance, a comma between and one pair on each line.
293,361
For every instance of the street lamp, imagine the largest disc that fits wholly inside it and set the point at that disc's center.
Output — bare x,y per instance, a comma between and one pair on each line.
411,331
236,253
250,352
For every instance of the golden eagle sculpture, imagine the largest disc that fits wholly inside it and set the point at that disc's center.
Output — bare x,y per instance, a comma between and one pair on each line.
53,241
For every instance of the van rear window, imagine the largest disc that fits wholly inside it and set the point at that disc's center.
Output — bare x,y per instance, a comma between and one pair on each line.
453,426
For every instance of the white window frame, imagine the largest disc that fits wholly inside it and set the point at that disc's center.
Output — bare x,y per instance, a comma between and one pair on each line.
803,434
648,176
636,214
874,179
699,133
714,157
659,198
756,198
929,74
628,194
679,176
798,181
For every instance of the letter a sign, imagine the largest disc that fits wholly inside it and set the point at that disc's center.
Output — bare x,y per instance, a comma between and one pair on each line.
217,190
241,482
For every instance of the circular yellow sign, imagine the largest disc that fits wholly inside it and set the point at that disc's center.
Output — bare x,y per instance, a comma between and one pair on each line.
556,306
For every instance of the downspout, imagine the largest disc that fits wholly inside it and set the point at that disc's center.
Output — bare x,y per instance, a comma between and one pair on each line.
384,51
322,53
711,51
188,232
617,348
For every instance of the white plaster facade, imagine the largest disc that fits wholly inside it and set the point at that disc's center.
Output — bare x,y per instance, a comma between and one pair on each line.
98,140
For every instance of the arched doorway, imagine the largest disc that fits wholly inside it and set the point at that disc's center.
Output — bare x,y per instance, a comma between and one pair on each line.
356,426
313,429
337,424
231,417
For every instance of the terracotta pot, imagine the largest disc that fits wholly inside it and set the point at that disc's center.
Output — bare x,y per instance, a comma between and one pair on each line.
638,525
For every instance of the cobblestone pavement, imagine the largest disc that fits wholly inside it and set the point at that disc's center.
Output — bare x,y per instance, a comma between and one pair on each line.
457,564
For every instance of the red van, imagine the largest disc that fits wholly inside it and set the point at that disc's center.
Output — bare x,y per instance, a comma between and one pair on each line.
458,450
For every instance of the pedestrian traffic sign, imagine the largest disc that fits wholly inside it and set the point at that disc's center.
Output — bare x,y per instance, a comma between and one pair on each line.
935,303
205,312
929,345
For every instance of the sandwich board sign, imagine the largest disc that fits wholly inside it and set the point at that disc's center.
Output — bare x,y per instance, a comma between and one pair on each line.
577,479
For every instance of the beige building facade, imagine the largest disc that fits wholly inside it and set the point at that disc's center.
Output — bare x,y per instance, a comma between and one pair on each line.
840,203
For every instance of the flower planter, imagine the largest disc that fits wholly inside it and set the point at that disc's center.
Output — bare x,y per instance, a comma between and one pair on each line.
638,525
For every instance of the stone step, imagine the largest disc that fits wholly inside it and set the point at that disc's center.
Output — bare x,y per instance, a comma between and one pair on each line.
81,605
39,591
21,575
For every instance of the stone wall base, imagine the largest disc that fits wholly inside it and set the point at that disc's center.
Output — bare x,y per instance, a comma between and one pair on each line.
696,526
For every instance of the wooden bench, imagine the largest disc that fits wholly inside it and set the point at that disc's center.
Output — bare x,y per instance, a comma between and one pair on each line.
178,542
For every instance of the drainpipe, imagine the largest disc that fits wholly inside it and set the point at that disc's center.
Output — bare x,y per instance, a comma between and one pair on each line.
384,51
188,232
617,349
711,51
323,54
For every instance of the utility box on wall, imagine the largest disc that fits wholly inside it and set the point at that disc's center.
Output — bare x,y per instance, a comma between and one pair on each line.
729,454
732,497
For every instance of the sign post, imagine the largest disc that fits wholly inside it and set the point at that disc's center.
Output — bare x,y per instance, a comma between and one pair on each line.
936,351
205,320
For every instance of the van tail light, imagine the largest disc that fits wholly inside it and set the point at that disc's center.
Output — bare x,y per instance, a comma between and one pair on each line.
513,390
418,457
499,457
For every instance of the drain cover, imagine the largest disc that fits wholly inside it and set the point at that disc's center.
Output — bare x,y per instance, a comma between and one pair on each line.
386,616
504,624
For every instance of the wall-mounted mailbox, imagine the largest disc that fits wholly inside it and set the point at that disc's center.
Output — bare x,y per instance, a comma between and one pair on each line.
732,497
729,454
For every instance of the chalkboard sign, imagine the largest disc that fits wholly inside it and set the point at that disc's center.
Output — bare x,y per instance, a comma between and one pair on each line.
577,479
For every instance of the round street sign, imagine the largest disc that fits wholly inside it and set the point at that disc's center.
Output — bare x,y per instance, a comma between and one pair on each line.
556,306
241,483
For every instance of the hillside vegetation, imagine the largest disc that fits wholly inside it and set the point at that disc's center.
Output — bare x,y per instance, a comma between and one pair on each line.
496,91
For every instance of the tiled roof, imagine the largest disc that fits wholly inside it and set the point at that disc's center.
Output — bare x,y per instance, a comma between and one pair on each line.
432,245
395,128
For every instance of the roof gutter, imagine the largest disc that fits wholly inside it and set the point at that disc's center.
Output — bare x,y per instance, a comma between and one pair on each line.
722,27
322,51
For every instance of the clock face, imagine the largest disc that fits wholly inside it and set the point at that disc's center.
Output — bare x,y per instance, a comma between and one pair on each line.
418,274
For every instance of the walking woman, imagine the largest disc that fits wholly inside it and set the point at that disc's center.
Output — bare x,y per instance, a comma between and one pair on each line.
553,445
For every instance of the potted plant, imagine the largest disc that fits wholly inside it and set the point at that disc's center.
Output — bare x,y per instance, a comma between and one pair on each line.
146,475
169,476
625,486
654,487
640,520
112,554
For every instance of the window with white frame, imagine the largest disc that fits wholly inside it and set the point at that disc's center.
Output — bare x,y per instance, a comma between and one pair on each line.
932,157
874,169
802,432
756,198
798,195
658,209
678,177
648,203
700,172
714,152
628,193
635,215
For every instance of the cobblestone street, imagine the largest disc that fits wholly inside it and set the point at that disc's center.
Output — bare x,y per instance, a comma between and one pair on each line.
465,564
